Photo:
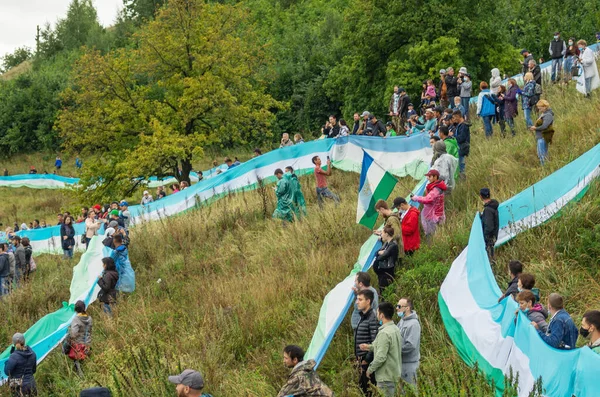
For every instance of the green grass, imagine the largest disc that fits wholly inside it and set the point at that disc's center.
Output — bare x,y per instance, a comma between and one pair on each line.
236,286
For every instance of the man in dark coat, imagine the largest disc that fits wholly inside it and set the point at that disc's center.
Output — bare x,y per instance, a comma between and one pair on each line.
365,332
489,221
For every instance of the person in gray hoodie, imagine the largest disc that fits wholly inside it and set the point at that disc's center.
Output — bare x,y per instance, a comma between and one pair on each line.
410,328
80,336
445,164
466,86
495,81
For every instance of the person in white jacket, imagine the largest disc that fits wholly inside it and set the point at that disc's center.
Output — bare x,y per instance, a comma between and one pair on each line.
445,164
495,81
590,79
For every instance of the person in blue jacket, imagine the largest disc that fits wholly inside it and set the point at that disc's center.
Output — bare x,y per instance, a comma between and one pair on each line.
58,164
562,332
20,367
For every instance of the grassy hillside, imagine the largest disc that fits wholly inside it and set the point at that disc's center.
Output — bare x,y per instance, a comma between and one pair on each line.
224,288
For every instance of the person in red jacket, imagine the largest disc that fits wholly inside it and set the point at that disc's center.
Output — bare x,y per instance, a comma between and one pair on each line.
433,203
410,225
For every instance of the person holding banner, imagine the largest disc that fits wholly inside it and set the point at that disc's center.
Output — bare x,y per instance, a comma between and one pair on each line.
589,79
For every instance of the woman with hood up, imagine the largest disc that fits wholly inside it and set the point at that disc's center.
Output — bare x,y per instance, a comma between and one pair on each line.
445,164
495,81
433,203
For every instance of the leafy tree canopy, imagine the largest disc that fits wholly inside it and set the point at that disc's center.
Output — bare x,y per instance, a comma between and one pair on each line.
191,80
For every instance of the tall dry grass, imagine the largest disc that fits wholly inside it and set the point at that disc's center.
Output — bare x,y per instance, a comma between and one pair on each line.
224,288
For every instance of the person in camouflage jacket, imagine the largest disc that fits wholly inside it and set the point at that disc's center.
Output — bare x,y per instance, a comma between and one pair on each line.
303,381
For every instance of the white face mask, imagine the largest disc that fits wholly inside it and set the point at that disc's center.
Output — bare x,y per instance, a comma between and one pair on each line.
555,37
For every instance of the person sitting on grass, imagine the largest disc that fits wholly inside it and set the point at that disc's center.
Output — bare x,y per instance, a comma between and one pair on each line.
515,268
303,380
534,311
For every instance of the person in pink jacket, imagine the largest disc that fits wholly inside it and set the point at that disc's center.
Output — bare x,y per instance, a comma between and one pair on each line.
433,203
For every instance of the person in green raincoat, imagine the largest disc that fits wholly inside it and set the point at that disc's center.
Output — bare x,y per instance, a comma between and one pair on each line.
285,196
298,197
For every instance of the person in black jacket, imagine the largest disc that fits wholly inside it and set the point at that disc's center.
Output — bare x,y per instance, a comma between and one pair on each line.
365,332
515,268
4,270
463,138
387,257
451,86
20,367
28,254
107,282
67,237
489,221
331,129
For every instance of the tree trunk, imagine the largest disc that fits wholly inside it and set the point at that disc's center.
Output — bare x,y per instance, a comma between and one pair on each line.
186,168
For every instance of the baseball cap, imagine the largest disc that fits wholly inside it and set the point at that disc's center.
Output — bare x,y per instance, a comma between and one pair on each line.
389,123
442,71
124,203
114,212
365,114
524,50
189,378
429,110
18,338
401,89
146,192
484,192
110,231
97,207
410,104
113,224
371,117
432,173
398,201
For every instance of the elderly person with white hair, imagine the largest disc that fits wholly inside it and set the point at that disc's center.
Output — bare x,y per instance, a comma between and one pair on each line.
590,78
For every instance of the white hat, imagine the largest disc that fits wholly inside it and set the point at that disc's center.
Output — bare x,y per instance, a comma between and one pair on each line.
110,231
146,192
463,70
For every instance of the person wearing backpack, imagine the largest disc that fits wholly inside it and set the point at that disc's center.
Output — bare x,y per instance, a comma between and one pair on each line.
527,97
78,343
28,257
486,109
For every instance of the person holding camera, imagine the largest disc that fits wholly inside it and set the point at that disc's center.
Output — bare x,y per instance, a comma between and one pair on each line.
285,140
331,128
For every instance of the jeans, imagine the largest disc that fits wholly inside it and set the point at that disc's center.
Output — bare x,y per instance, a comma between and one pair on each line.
409,372
556,67
542,150
325,192
106,308
464,101
462,163
588,85
568,67
387,389
527,113
487,126
3,286
511,123
68,254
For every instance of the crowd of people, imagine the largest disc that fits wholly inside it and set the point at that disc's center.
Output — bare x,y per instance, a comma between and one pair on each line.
387,353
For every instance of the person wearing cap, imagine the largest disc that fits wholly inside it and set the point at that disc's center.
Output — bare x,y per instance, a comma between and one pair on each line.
525,62
433,203
365,124
146,198
411,111
557,50
462,134
392,219
189,384
20,367
466,86
303,380
113,215
430,125
451,85
443,89
394,106
489,221
125,214
391,129
409,220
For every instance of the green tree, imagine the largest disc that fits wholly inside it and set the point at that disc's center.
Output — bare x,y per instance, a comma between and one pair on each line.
190,81
142,10
17,57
